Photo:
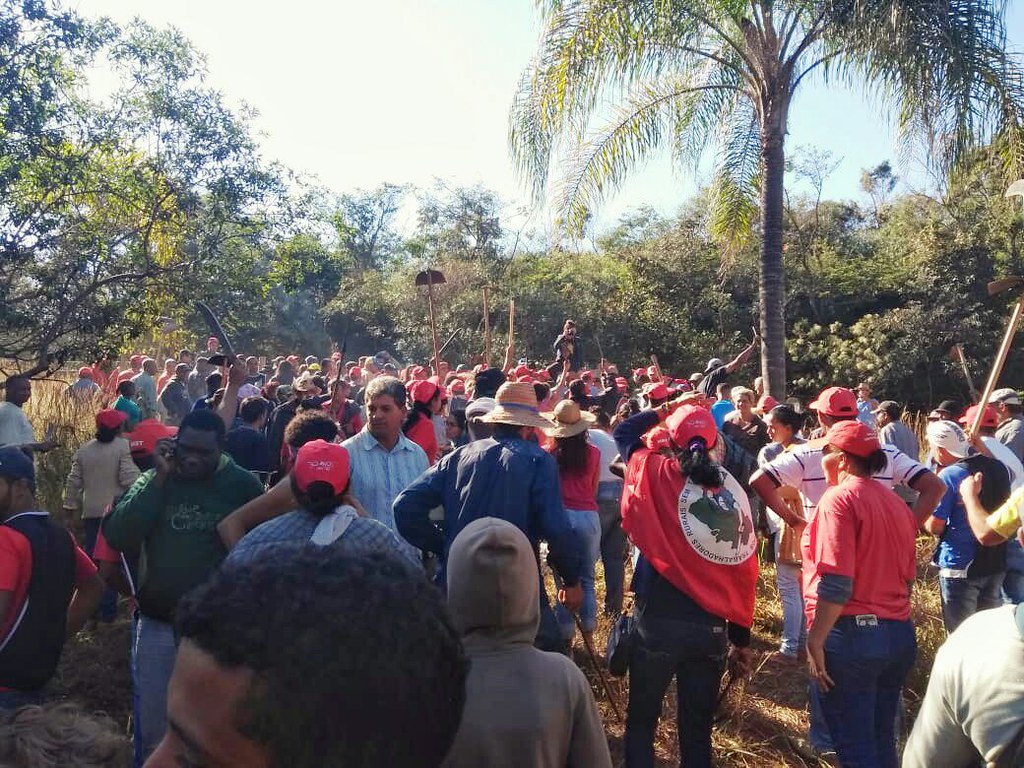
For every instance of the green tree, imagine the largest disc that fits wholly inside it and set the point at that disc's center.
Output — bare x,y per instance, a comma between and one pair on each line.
698,73
127,209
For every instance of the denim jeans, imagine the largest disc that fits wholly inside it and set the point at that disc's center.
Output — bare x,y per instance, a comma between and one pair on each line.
694,653
613,545
549,634
107,609
965,597
1013,581
588,532
152,664
794,625
868,665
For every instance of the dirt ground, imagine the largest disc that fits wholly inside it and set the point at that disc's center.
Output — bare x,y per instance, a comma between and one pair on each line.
758,718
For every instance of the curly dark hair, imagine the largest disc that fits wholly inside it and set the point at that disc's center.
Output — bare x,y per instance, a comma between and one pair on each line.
355,660
309,425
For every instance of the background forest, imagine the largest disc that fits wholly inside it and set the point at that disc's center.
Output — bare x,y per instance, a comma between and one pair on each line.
121,204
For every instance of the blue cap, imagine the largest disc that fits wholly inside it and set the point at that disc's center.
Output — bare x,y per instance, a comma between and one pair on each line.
16,465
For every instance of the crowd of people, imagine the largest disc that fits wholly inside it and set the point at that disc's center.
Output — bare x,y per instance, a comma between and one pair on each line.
343,562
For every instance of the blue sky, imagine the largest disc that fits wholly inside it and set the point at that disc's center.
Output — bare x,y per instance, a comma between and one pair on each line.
407,91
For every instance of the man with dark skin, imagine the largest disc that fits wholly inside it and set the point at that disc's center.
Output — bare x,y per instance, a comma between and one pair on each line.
170,515
15,429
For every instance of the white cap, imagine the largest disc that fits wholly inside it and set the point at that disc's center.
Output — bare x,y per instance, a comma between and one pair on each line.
480,407
947,435
1006,396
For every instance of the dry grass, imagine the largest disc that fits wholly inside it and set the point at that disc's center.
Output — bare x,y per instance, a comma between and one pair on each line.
760,714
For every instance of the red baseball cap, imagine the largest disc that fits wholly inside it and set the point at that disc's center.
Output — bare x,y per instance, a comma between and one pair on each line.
690,421
522,370
766,403
658,439
108,418
423,391
136,359
850,437
543,375
85,372
143,439
836,401
656,391
621,382
355,372
990,419
457,387
320,461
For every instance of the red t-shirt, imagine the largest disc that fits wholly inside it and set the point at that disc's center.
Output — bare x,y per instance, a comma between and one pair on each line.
579,489
127,375
422,433
866,532
16,571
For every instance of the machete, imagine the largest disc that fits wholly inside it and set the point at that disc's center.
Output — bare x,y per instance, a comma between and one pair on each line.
218,331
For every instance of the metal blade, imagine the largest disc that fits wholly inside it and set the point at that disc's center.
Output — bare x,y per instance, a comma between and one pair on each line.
217,330
1004,284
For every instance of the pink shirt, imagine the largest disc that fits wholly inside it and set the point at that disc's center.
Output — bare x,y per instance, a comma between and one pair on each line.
579,489
865,532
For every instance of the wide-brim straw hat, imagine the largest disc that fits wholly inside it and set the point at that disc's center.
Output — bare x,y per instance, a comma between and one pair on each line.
516,404
569,420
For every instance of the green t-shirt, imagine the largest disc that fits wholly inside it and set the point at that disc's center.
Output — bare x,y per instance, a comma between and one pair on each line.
174,529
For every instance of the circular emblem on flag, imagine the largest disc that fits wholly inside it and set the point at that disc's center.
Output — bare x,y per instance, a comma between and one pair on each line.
718,524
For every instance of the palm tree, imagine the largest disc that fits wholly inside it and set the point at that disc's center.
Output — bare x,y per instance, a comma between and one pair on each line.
697,73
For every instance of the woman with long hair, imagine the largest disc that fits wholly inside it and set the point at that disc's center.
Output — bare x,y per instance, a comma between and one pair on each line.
859,558
418,425
694,581
579,471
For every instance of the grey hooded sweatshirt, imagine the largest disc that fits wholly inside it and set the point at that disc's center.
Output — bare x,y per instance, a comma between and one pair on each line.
525,708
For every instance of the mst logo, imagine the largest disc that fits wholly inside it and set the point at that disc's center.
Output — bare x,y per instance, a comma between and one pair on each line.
718,524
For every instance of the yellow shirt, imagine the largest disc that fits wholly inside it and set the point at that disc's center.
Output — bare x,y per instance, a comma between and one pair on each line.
1006,520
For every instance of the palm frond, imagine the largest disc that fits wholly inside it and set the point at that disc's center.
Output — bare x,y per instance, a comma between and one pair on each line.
942,62
638,127
594,51
734,191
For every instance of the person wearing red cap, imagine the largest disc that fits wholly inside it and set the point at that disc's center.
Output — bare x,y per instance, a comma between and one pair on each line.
101,470
327,514
801,468
694,582
859,562
85,388
418,424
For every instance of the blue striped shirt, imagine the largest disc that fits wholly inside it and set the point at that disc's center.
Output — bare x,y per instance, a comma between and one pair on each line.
378,476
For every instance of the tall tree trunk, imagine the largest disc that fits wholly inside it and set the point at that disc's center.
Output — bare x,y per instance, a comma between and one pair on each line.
772,283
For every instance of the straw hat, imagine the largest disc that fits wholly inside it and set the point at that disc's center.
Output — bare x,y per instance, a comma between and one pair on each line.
569,419
304,383
516,403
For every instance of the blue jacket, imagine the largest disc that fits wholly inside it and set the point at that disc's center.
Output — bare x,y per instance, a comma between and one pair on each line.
504,477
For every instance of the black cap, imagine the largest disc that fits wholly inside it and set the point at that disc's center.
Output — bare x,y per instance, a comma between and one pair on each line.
952,407
487,382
